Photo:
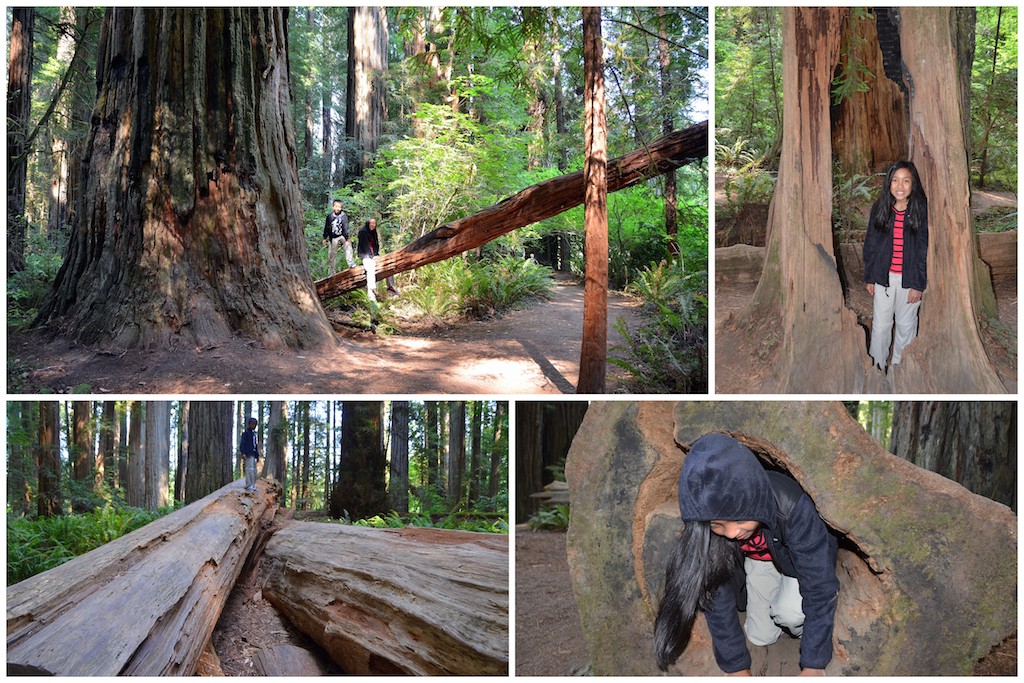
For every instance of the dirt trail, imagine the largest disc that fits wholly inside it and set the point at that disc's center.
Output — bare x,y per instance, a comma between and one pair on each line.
528,351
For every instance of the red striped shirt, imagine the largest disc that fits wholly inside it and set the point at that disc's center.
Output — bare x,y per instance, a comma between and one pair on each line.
897,242
756,547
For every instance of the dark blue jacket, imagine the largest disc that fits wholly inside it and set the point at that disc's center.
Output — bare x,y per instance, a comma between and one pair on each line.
369,243
878,254
247,444
723,480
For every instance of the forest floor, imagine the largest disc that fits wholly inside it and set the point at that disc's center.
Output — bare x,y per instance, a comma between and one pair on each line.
532,350
549,639
249,623
742,364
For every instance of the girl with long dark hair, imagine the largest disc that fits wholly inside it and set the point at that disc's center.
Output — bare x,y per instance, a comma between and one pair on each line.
753,531
896,261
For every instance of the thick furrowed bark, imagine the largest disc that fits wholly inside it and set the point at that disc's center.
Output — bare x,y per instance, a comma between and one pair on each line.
526,207
390,601
144,604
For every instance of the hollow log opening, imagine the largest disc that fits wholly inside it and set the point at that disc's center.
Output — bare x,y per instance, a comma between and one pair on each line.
862,585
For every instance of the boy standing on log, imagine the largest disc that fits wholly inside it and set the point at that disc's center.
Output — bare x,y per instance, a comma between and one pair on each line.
336,232
249,447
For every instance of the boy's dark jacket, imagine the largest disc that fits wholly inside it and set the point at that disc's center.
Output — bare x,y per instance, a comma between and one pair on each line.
723,480
247,444
878,254
329,222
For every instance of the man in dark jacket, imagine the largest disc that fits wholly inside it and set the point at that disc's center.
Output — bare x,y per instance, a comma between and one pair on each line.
723,483
336,232
249,447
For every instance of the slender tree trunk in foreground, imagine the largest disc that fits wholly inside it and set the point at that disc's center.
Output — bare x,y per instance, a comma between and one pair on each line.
398,482
158,453
144,604
19,106
190,227
211,448
526,207
594,348
135,490
395,601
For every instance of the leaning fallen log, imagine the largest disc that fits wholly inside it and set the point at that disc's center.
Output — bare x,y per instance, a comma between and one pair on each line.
394,601
526,207
144,604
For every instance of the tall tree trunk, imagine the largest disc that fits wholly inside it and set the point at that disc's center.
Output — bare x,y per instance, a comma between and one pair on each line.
556,68
276,466
135,491
182,470
456,451
304,490
82,453
869,129
211,448
544,432
974,443
667,126
123,446
106,453
24,468
58,214
498,448
476,438
19,107
365,106
433,446
158,453
50,501
594,349
360,488
398,482
948,355
307,140
193,108
822,348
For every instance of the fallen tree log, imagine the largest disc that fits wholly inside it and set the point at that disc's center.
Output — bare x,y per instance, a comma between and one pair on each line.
144,604
526,207
928,570
394,601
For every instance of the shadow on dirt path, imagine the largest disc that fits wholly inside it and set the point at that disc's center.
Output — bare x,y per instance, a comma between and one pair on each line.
528,351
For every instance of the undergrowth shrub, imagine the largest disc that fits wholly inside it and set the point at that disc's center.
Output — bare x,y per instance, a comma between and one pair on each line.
35,545
668,354
550,519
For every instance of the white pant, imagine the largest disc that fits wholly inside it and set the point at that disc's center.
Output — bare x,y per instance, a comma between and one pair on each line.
250,471
332,254
773,601
891,306
370,265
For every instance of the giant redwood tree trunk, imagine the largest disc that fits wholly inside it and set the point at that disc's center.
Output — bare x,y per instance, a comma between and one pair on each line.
50,501
398,479
869,129
211,448
365,106
190,227
158,453
948,355
821,347
359,491
974,443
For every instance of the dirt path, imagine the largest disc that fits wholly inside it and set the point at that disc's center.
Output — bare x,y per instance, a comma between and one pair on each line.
528,351
549,639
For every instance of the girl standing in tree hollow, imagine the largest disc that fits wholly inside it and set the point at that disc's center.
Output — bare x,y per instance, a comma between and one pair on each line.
896,260
747,528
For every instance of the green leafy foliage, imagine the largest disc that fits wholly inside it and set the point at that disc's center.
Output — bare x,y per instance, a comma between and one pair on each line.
27,289
669,353
35,545
550,519
852,196
994,99
996,219
460,522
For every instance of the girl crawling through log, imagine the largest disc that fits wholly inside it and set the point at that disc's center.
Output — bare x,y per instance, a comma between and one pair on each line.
747,530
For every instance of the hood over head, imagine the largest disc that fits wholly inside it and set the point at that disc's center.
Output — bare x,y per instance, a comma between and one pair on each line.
722,479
